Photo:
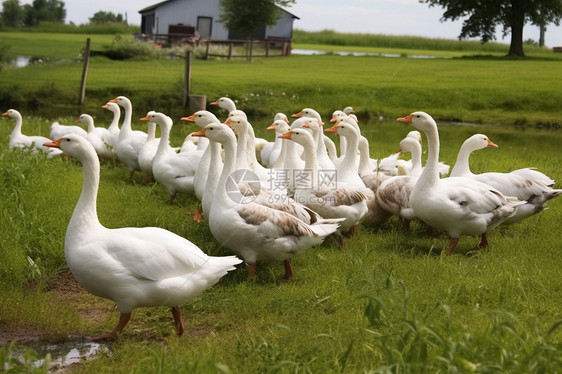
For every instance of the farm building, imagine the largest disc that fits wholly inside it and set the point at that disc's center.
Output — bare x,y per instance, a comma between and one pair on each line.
201,17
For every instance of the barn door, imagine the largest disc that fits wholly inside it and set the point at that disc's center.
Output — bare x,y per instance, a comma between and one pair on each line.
204,26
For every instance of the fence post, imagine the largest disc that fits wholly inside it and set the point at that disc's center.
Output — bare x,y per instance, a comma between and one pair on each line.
187,87
84,72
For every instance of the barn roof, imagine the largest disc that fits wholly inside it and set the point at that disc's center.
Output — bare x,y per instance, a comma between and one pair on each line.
150,7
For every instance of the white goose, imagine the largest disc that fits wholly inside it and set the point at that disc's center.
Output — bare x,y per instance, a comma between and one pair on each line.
525,184
134,267
270,152
321,192
393,194
322,141
228,104
210,165
97,136
458,206
280,127
175,171
148,151
113,127
130,141
246,150
34,143
254,231
57,130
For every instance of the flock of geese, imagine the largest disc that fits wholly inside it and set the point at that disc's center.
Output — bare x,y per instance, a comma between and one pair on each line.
265,201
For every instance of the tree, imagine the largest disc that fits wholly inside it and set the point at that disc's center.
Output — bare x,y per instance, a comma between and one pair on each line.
105,17
247,16
485,15
12,13
44,11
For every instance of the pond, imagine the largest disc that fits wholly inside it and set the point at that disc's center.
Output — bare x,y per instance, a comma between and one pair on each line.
310,52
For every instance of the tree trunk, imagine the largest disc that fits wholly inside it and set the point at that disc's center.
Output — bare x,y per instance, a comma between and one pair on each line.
517,23
541,35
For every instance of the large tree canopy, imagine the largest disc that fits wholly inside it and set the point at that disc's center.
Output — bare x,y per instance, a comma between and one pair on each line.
14,15
481,17
247,16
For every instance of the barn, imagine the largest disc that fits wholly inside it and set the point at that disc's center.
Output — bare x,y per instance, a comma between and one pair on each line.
201,17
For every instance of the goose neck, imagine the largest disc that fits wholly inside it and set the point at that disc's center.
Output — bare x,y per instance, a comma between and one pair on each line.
85,217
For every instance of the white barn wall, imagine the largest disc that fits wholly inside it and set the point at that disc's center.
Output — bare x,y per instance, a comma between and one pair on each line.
186,12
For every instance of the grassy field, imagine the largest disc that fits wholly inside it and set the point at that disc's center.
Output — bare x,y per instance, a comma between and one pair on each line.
483,90
392,302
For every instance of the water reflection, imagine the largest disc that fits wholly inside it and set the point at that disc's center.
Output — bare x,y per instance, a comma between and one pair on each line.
310,52
66,353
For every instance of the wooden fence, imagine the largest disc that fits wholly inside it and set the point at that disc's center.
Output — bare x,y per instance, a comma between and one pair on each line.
239,48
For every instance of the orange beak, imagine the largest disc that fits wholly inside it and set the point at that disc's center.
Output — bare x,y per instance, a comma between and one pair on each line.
333,129
191,118
333,119
113,100
105,106
286,120
286,135
407,119
77,120
297,115
216,102
5,113
145,118
490,144
271,127
199,133
55,144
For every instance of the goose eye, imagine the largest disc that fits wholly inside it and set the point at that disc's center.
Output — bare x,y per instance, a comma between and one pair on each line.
67,139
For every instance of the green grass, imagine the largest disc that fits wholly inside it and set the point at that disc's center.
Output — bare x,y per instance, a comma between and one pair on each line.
391,302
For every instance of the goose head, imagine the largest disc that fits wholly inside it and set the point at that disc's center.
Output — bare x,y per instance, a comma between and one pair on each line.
409,144
123,101
85,118
217,132
225,103
238,123
281,116
279,126
201,118
12,113
110,105
158,118
73,145
300,136
415,134
477,142
307,112
420,120
338,115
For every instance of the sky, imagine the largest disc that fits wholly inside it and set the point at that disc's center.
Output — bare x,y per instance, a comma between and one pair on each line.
391,17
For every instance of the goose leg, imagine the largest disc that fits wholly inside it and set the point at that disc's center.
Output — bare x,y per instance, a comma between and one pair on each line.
131,173
123,319
453,243
483,242
288,270
406,226
198,216
172,198
251,270
341,244
178,321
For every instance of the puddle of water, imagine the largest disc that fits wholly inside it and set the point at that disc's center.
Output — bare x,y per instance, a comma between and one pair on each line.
63,354
23,61
310,52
